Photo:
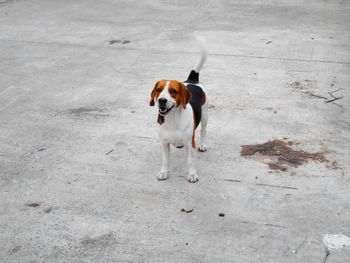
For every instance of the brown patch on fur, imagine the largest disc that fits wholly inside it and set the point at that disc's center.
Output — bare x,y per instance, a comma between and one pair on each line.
278,154
193,141
184,95
158,88
160,119
204,99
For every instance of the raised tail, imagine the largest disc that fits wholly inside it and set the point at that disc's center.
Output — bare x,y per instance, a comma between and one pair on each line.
194,75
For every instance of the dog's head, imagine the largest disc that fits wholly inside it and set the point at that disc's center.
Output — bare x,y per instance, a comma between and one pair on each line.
169,94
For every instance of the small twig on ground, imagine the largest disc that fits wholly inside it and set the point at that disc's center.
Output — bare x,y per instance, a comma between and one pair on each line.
330,93
334,97
273,225
334,91
230,180
341,106
337,98
318,96
327,100
39,150
326,256
279,186
109,152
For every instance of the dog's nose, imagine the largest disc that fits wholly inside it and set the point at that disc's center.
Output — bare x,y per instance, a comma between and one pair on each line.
162,101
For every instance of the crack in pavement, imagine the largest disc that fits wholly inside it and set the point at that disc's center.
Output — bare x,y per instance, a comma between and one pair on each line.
63,44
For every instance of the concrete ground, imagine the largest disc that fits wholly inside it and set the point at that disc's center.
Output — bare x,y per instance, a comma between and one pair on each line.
79,149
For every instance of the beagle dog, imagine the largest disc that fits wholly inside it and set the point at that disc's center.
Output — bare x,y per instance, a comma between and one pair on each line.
182,106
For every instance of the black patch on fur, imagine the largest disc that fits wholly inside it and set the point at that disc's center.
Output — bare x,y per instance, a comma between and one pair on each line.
193,77
196,101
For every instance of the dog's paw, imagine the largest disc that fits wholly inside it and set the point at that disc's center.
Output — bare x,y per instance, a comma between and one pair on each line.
202,148
192,178
162,175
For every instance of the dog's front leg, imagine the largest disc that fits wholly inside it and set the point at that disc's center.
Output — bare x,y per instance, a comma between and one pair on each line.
192,176
164,172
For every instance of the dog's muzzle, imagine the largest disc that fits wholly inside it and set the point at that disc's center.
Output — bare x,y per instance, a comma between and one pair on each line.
163,110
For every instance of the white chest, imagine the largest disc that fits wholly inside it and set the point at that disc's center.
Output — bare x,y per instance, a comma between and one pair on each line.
174,137
177,129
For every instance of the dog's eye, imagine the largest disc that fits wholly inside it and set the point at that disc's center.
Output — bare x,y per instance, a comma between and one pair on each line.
172,91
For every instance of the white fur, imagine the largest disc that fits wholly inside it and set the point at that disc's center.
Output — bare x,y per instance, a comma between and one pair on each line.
177,130
165,95
204,53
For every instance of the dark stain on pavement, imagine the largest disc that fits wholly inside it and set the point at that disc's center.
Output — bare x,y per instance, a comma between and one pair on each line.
97,112
117,41
279,155
48,210
98,240
5,2
82,110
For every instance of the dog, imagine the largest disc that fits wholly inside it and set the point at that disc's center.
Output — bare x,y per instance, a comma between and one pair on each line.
182,106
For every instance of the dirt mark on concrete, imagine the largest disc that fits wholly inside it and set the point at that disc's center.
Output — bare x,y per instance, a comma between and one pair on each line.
5,2
101,240
87,111
279,155
33,204
302,85
117,41
82,110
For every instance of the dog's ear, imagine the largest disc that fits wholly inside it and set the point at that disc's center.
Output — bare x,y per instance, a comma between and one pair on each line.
153,94
185,95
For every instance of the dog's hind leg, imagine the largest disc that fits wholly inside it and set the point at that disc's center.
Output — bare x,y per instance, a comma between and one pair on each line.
204,121
192,175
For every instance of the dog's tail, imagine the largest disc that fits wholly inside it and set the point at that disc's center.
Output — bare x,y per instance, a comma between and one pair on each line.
194,75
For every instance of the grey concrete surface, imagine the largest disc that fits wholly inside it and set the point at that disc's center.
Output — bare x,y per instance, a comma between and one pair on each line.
68,96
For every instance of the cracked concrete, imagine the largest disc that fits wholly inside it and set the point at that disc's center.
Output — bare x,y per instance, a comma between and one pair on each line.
75,79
